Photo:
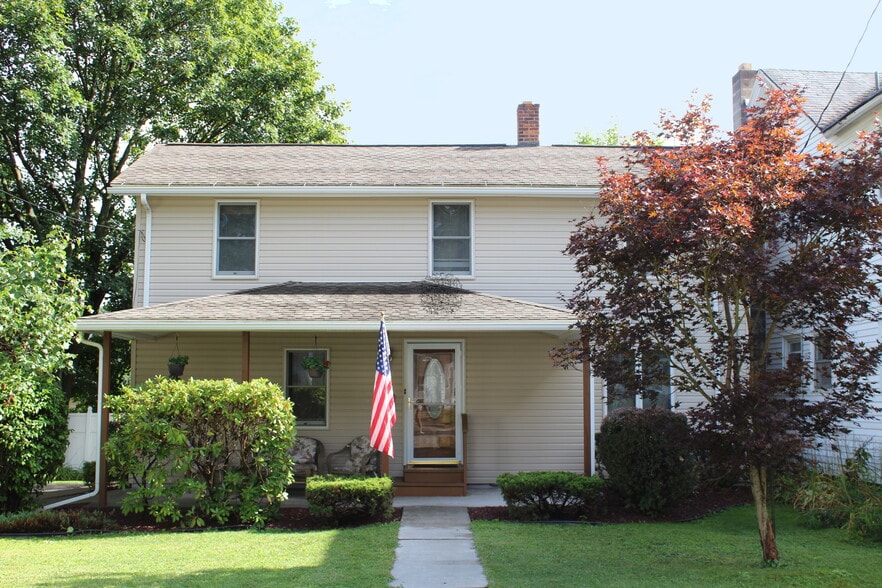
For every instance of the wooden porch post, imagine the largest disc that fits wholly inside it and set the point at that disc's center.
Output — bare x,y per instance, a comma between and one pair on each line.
384,464
587,416
105,419
246,356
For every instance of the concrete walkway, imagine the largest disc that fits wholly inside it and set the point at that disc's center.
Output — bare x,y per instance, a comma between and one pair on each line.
435,549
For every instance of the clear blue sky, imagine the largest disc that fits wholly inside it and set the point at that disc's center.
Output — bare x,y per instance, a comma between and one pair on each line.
454,71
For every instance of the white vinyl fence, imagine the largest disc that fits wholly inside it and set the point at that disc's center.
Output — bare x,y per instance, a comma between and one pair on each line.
83,444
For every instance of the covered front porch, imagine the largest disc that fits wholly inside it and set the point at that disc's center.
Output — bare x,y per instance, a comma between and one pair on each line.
475,391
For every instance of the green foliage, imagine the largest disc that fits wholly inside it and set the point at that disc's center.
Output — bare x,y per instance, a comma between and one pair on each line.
608,137
850,500
340,499
226,443
550,495
89,474
712,252
55,521
648,456
66,473
87,85
612,137
38,306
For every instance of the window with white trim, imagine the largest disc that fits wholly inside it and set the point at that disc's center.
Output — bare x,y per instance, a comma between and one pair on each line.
792,349
451,247
655,370
236,247
823,364
307,389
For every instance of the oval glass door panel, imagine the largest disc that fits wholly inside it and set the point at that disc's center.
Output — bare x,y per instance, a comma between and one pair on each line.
434,406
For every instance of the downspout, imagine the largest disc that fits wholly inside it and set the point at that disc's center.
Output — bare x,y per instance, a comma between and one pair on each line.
94,492
591,412
148,238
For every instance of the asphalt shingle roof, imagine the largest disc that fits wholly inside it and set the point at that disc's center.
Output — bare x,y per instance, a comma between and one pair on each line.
855,89
380,165
293,302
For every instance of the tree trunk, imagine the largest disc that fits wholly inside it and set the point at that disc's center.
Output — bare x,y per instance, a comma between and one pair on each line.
759,486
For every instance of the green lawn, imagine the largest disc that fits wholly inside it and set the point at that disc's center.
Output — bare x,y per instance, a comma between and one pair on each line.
722,550
360,557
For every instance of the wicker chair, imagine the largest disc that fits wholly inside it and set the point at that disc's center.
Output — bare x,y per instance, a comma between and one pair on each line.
357,457
306,453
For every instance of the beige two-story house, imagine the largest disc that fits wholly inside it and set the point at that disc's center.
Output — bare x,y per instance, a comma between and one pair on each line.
250,258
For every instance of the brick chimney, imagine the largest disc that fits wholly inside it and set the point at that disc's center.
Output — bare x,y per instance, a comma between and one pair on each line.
528,124
742,87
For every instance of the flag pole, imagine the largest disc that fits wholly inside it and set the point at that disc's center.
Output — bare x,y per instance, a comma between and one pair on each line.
383,401
384,459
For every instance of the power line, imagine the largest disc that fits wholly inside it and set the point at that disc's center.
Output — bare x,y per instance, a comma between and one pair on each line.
842,77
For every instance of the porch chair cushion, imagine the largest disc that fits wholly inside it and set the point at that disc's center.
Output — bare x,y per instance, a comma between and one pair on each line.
357,457
305,454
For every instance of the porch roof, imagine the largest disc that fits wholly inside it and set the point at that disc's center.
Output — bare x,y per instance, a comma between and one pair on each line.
311,306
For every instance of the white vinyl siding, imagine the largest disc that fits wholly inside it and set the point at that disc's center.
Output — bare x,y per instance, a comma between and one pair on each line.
515,423
518,244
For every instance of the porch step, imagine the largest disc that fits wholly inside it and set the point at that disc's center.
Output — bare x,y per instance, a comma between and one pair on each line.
432,481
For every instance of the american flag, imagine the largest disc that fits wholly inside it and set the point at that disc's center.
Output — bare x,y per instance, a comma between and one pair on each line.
383,406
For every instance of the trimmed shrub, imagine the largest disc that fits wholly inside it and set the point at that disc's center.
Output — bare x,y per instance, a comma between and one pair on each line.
56,521
550,495
224,442
647,456
339,499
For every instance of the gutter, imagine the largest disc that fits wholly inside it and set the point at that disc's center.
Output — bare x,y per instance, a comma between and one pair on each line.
583,191
100,424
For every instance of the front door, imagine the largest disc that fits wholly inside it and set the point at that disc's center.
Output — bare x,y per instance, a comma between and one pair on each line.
434,394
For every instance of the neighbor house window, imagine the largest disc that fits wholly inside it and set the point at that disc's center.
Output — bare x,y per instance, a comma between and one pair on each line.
451,238
793,349
309,393
823,364
655,369
236,250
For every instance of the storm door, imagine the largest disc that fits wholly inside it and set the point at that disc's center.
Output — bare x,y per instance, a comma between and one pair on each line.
433,419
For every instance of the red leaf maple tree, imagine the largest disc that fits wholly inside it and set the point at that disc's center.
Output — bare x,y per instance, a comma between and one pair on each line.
711,252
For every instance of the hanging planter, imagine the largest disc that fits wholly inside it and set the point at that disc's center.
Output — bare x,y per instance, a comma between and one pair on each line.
176,365
314,366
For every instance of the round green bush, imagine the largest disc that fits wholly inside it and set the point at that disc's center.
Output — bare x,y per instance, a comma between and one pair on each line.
647,456
224,442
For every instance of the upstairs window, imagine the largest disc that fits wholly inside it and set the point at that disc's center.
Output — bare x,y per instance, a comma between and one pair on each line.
236,251
451,239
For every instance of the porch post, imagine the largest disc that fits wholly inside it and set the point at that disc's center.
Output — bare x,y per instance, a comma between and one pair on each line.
384,464
588,418
105,420
587,412
246,356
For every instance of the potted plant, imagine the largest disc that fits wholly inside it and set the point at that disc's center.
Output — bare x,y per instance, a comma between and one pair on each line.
176,365
315,366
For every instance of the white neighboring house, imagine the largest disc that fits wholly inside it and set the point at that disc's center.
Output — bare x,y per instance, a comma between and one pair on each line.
251,257
836,109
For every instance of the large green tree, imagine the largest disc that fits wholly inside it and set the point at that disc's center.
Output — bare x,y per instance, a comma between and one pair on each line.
38,306
87,85
711,252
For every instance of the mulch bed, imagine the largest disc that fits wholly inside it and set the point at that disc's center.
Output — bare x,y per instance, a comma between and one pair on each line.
299,519
695,507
